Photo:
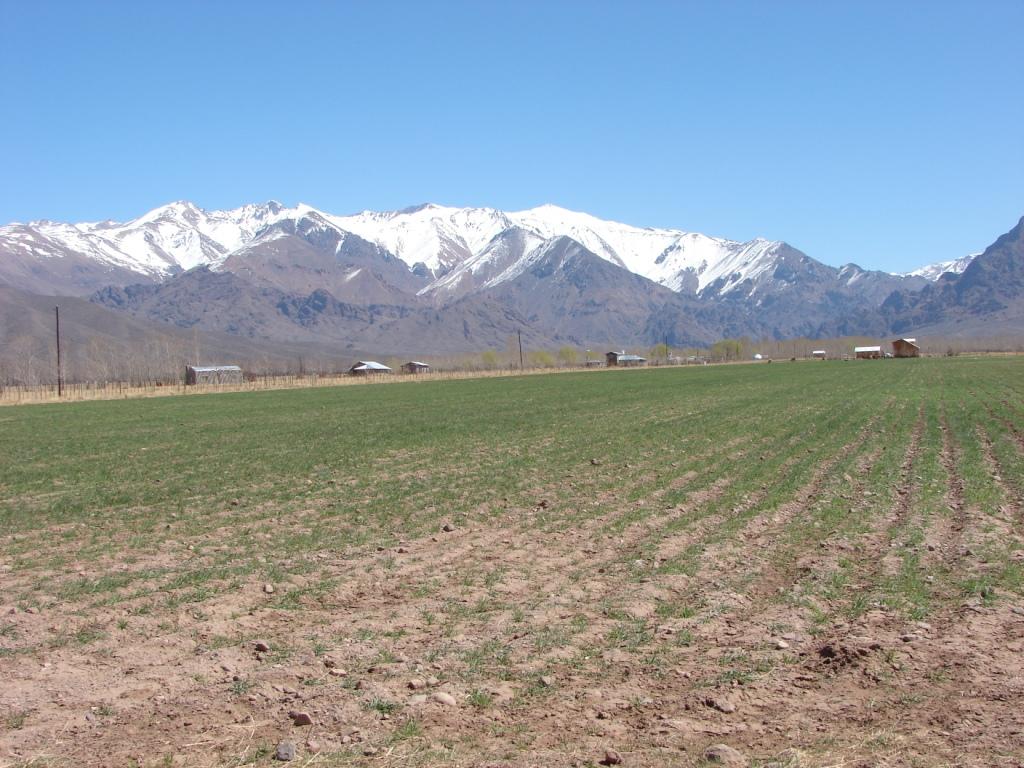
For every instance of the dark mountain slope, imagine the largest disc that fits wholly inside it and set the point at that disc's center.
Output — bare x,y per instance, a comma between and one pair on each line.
987,298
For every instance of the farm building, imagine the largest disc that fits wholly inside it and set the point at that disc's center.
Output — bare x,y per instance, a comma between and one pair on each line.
906,348
213,374
622,359
414,366
367,368
819,354
867,353
594,364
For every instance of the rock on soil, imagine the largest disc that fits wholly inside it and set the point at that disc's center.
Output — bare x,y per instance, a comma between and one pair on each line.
261,646
268,589
443,698
723,754
285,751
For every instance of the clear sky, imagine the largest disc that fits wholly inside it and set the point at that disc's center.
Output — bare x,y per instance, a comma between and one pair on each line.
890,134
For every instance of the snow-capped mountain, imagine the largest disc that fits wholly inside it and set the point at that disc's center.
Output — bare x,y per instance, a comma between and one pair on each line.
455,250
455,278
457,243
161,242
450,246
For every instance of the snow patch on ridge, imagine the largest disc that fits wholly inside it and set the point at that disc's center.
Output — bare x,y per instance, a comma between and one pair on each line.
934,271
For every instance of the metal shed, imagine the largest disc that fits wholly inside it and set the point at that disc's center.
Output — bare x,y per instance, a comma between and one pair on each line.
213,374
414,366
867,353
367,368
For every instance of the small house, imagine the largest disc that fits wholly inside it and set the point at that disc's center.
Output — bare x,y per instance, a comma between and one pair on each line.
368,368
212,374
621,359
906,348
819,354
867,353
414,366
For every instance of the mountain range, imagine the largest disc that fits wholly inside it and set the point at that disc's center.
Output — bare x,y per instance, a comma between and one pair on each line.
435,279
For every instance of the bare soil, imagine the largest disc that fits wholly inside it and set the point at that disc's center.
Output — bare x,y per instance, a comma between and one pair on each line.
550,677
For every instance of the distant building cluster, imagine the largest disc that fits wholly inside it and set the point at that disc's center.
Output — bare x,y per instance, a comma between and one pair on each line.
232,374
372,367
900,348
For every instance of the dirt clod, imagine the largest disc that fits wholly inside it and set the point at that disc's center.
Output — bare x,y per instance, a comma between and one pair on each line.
722,705
723,754
301,718
611,757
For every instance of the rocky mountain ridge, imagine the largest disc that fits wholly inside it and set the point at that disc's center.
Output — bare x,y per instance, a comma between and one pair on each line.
454,280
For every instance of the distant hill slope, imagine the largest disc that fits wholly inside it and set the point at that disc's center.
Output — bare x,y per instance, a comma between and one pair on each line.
99,343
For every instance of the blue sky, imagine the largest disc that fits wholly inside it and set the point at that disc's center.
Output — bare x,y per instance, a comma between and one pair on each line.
888,134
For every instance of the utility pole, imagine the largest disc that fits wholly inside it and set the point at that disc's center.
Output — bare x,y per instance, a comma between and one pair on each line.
60,367
520,333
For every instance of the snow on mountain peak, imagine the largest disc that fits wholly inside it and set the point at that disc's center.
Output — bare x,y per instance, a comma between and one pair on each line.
933,272
454,244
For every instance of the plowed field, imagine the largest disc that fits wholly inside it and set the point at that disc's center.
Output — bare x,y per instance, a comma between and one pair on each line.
812,563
